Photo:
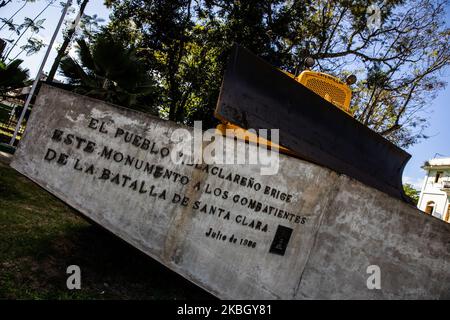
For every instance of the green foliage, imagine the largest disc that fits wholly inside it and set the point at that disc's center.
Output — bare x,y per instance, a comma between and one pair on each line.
4,3
107,69
32,46
411,192
34,25
12,76
90,24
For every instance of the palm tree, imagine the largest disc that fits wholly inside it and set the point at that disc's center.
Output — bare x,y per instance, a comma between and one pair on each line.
4,3
110,71
12,76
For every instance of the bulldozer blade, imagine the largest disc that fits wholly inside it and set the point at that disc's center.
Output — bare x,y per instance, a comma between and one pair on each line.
256,95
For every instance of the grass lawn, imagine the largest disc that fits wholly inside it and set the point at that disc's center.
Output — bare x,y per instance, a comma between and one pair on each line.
40,237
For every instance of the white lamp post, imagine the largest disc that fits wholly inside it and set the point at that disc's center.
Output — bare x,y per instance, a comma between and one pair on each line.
38,76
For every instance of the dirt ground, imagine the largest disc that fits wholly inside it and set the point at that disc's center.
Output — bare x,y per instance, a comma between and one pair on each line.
40,237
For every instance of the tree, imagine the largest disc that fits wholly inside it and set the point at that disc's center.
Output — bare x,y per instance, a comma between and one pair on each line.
32,46
12,76
4,3
34,24
9,22
108,70
163,45
186,43
90,25
399,62
411,192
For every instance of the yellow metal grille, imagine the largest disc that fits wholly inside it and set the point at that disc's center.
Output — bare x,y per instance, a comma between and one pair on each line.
328,87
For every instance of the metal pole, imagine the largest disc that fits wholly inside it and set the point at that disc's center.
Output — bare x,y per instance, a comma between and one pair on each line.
38,76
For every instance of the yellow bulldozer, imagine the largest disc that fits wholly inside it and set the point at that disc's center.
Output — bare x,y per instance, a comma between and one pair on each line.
313,115
330,88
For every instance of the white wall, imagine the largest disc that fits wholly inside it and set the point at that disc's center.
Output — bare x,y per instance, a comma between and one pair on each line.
431,191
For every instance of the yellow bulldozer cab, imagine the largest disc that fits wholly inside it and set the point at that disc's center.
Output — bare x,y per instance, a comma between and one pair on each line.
328,87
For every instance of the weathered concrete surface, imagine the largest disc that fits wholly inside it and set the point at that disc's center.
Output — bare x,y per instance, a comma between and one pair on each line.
339,226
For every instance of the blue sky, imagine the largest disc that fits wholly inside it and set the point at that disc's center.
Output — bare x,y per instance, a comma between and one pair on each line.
439,109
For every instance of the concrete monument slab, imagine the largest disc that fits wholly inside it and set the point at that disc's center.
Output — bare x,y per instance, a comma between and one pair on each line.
303,233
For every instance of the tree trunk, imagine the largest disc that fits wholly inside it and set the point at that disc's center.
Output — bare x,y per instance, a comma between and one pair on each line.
65,44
